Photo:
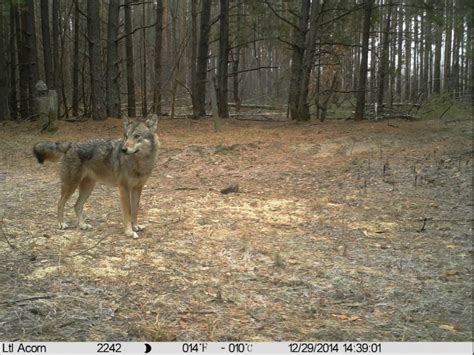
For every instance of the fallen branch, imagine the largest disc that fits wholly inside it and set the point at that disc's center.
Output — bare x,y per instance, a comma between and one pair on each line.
5,236
28,299
265,119
440,117
268,107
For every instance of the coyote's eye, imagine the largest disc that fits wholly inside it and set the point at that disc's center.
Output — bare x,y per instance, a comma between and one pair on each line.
136,136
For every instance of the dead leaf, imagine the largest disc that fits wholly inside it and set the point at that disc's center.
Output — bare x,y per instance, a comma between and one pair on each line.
449,327
451,273
340,316
345,317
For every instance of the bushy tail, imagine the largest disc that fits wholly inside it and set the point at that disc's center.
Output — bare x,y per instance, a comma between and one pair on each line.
50,151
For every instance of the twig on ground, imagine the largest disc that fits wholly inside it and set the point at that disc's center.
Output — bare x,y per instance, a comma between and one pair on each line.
86,250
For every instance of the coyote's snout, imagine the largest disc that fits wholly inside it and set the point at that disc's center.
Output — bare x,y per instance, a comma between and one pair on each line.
126,163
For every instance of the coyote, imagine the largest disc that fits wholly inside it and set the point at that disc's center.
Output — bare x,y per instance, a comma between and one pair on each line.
126,163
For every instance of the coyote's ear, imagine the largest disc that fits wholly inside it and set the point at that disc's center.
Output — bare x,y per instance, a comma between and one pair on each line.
126,121
152,122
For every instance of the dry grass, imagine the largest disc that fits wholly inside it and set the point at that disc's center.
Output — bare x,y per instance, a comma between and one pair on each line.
323,241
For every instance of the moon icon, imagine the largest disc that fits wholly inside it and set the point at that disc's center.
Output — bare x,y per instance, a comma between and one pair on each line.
147,348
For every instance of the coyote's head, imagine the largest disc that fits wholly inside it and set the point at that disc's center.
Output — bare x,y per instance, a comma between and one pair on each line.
139,136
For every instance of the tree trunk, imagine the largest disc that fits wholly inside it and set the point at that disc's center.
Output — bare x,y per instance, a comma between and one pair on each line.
4,109
176,56
399,53
437,58
99,111
13,65
85,95
372,70
308,58
144,68
31,42
360,105
48,66
457,50
299,36
55,32
23,58
393,51
383,71
236,57
61,76
222,67
408,73
129,59
112,73
75,63
448,46
469,78
193,52
354,65
199,109
426,34
421,54
214,107
414,89
158,57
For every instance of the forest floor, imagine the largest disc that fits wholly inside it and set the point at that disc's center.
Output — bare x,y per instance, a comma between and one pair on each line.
340,231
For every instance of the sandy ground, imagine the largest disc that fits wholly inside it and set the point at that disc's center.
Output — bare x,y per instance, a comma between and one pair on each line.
339,231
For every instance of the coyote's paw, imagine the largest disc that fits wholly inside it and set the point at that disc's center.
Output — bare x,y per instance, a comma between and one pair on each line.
131,233
63,225
138,227
85,226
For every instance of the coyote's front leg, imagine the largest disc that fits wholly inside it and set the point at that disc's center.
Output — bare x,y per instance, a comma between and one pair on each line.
126,210
135,202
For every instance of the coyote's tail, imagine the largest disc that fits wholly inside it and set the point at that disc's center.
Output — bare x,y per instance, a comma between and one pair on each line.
50,151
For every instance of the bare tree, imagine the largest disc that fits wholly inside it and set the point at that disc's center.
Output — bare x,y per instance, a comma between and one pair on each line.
99,111
384,60
158,57
55,36
129,59
144,64
308,59
360,105
48,65
448,46
408,72
113,72
30,32
4,109
399,53
199,107
299,34
222,68
13,64
426,34
75,61
437,57
193,54
23,57
236,56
